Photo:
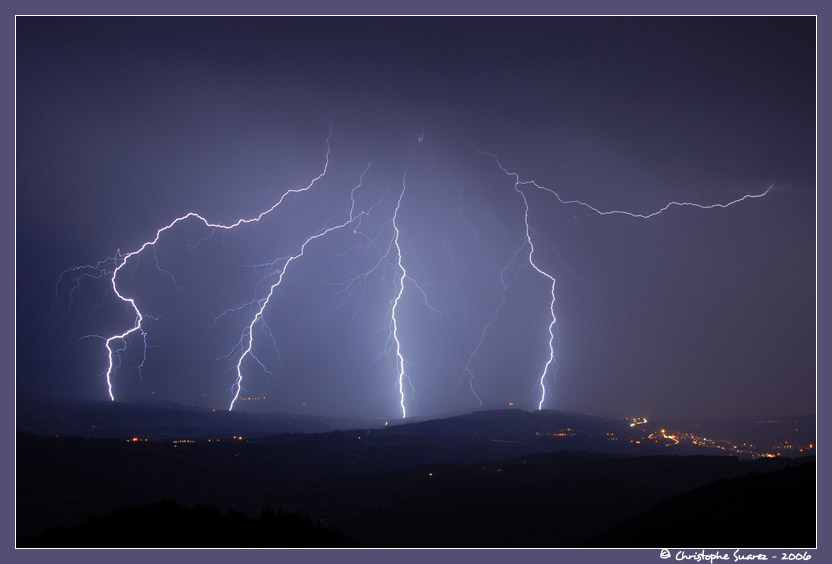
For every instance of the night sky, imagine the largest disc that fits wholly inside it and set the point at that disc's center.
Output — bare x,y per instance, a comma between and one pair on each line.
124,124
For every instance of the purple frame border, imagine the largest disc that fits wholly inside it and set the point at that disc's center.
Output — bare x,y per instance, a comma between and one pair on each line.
427,7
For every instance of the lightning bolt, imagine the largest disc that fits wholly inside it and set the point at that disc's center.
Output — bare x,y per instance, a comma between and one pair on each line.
243,350
401,374
271,274
385,259
276,267
397,299
519,185
550,360
116,344
97,271
249,332
389,257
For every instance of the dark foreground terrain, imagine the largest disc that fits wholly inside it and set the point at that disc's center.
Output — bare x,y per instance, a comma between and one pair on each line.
166,524
490,479
765,510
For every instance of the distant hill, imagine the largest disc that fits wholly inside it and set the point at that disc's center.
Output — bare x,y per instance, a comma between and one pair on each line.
503,432
108,420
478,436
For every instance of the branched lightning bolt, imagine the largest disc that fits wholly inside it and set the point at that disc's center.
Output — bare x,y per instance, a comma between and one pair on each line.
100,269
121,261
388,257
518,187
248,334
386,260
271,274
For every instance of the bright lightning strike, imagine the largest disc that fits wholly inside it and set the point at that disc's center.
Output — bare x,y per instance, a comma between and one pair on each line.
272,273
399,292
518,187
389,257
249,333
121,260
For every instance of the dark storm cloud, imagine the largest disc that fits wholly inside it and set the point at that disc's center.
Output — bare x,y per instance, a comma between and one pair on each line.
124,124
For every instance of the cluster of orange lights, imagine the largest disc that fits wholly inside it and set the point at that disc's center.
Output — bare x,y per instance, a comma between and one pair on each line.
664,435
745,448
181,441
568,432
636,421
